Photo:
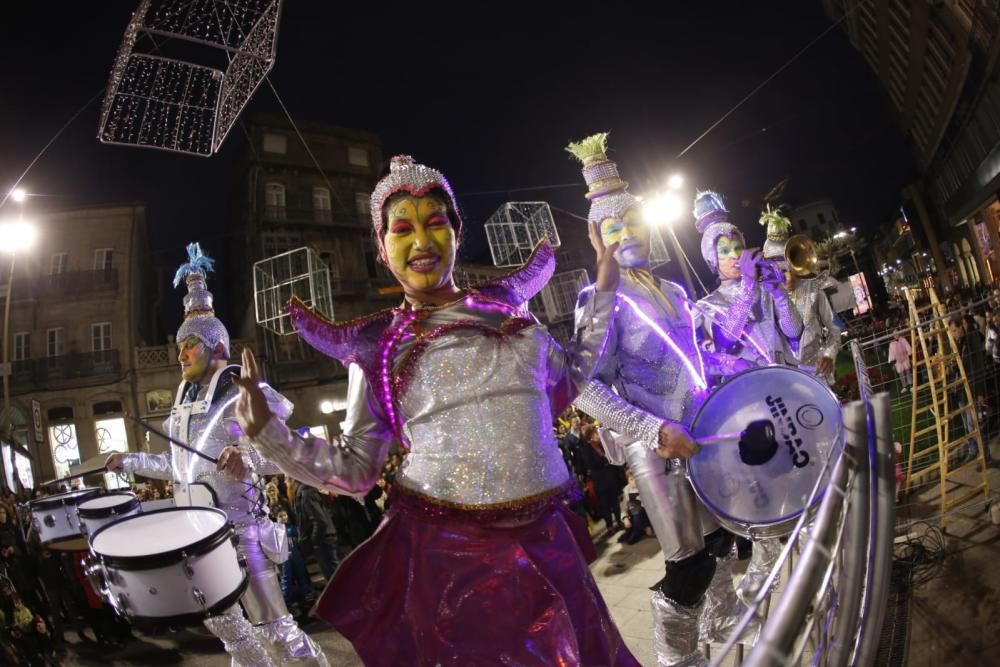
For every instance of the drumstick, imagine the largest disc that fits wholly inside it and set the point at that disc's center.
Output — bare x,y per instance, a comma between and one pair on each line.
152,429
95,471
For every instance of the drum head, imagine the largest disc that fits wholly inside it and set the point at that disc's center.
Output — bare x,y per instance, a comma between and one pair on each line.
67,498
808,427
158,532
110,500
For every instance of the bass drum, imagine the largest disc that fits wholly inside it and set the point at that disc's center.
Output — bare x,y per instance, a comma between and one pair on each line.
766,499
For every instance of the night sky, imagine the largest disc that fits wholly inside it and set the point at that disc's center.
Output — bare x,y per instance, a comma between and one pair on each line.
489,93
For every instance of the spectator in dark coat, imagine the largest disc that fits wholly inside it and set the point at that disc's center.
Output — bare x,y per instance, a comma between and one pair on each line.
317,534
607,478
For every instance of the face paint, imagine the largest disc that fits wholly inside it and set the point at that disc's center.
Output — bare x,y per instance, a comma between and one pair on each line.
633,235
420,242
728,251
194,357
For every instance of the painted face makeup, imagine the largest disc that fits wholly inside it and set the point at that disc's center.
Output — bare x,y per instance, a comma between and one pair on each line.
728,251
420,242
633,235
194,357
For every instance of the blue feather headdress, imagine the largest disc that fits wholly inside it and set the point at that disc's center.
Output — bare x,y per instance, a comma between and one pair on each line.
198,262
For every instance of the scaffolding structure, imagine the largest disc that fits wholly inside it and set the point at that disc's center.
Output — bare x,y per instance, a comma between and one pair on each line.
941,393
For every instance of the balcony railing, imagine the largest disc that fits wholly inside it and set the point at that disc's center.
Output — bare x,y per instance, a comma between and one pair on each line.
75,366
77,283
312,216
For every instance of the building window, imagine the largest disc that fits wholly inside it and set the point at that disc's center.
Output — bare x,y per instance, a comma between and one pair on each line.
65,448
802,226
54,338
277,243
274,201
112,436
22,346
363,205
821,218
374,269
357,157
58,264
275,143
333,266
100,336
321,204
102,259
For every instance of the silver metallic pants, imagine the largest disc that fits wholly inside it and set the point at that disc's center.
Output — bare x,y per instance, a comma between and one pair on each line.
675,633
273,629
723,609
762,561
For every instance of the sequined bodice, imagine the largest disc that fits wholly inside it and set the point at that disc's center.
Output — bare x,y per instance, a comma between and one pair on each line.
646,370
475,409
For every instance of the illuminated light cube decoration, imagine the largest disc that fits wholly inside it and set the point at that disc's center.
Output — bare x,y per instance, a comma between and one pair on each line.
515,228
277,279
658,255
185,71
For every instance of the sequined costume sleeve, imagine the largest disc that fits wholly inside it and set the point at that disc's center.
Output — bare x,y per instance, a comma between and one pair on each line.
572,368
731,325
154,466
599,400
831,343
351,463
789,319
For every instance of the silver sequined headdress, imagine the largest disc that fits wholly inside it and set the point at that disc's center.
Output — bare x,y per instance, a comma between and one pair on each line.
711,219
199,316
608,193
406,175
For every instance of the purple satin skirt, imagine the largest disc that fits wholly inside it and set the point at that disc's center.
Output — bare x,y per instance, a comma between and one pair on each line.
454,587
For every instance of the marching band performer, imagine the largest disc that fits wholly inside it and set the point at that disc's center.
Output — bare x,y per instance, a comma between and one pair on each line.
821,328
750,315
644,393
203,417
478,561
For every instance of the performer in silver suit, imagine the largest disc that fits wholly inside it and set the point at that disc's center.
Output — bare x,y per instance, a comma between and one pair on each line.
821,328
203,416
478,560
644,393
750,315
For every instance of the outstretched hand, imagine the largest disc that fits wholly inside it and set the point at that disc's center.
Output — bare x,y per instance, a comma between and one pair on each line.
252,410
607,265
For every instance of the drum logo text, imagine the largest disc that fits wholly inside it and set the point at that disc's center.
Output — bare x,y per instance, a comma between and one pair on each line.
789,434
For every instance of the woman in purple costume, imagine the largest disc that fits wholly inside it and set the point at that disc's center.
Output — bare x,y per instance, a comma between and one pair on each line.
478,561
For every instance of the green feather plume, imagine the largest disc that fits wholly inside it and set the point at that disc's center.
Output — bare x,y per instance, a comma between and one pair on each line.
774,221
595,144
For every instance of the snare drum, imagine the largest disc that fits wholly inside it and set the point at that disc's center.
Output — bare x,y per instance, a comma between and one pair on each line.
174,565
54,519
107,509
760,501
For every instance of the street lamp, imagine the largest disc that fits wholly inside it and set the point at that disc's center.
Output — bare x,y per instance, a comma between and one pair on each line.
664,210
14,237
326,407
18,195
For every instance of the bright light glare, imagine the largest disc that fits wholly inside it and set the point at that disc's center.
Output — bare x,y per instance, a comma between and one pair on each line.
840,235
854,229
664,209
15,236
675,182
326,407
18,195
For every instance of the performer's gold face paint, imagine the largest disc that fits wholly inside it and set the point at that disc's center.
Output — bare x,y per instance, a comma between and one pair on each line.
728,251
633,235
420,242
194,357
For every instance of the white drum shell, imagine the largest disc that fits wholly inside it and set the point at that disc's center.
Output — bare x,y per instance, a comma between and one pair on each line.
766,500
189,587
89,526
59,522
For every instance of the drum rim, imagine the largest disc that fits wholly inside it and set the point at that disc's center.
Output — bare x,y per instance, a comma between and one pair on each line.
164,558
59,500
109,510
712,507
198,616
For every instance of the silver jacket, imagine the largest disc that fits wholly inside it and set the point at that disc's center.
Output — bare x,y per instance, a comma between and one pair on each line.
820,333
208,424
473,402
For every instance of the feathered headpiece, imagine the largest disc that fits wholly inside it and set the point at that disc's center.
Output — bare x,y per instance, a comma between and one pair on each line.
711,219
199,316
406,175
778,227
607,192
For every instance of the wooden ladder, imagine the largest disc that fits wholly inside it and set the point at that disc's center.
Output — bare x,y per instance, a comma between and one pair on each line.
932,410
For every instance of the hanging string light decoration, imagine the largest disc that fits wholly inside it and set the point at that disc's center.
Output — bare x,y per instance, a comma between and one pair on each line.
185,71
